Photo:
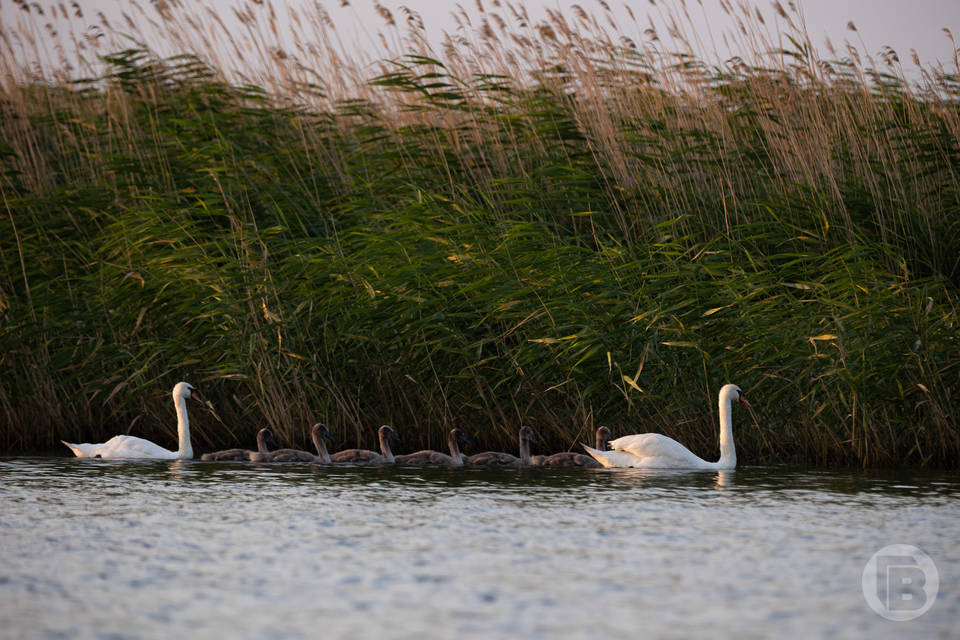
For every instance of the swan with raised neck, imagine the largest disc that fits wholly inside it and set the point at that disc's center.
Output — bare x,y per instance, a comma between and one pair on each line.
264,438
657,451
132,447
364,456
431,457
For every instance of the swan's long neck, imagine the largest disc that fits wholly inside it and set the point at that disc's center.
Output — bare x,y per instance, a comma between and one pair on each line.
321,446
525,459
185,449
728,452
455,449
385,446
262,442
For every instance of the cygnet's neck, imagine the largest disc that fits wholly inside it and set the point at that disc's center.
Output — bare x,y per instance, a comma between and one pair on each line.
321,447
455,449
601,439
525,459
385,446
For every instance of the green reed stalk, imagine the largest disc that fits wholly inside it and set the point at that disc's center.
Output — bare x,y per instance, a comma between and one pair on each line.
605,241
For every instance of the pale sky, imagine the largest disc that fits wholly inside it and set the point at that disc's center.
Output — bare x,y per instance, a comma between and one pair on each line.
900,24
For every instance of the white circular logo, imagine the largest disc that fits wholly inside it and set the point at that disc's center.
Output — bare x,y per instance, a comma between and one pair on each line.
900,582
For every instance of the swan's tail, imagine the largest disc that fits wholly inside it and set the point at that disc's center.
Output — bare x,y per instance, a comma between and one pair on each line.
600,456
610,459
79,450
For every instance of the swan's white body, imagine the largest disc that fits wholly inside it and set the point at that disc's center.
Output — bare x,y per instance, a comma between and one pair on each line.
657,451
120,447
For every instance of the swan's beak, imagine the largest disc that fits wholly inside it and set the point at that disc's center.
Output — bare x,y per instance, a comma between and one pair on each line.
195,396
743,401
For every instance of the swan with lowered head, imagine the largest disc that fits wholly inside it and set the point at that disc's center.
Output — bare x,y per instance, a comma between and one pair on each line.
365,456
132,447
657,451
428,456
317,434
569,459
264,437
500,459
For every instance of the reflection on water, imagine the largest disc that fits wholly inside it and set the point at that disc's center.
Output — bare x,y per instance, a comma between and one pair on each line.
95,548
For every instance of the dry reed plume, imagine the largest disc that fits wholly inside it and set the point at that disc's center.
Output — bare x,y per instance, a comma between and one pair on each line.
559,221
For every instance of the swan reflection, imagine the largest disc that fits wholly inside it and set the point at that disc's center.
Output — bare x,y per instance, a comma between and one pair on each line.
723,479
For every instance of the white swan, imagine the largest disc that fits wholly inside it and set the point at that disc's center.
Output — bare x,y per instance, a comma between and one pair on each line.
134,447
657,451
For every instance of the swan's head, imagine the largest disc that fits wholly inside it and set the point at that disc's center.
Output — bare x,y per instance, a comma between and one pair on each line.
732,393
459,436
186,390
266,435
387,433
320,430
526,435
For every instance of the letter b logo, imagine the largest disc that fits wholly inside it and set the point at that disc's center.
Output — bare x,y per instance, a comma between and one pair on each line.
900,582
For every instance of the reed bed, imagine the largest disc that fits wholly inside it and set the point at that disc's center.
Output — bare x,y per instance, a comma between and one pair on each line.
547,222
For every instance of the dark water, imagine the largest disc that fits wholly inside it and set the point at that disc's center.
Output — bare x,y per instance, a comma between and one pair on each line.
101,549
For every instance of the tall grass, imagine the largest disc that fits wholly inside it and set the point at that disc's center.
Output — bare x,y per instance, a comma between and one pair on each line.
549,223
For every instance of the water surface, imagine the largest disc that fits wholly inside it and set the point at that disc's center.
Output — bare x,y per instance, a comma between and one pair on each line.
108,549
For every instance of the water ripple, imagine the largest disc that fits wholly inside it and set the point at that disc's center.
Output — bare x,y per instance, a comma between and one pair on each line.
94,549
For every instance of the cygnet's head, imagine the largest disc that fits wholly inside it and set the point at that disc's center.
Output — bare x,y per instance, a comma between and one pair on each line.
386,431
266,435
603,435
526,433
459,436
321,430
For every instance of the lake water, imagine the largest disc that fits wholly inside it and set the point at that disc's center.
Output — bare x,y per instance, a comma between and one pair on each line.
106,549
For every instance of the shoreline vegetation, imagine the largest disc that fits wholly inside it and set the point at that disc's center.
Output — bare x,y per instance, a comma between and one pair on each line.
546,223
